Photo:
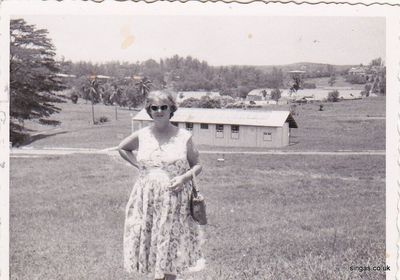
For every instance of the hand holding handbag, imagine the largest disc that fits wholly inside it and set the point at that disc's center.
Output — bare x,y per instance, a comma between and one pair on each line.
197,203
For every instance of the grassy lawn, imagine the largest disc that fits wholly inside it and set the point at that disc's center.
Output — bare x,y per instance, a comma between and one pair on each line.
271,217
77,130
346,125
340,82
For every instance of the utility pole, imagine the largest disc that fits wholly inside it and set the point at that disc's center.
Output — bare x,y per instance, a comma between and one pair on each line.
92,92
112,98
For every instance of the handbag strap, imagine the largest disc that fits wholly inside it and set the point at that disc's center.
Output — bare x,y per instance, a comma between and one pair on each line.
194,183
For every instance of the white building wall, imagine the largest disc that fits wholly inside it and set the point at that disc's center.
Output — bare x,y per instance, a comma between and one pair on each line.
203,136
285,134
236,139
261,142
249,136
136,125
220,141
278,141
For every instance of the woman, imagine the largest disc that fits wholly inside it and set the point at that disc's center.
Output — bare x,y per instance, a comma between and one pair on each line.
160,236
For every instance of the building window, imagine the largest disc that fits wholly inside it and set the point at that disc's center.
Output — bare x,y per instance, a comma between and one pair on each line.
219,130
175,123
234,131
235,128
189,126
204,125
267,136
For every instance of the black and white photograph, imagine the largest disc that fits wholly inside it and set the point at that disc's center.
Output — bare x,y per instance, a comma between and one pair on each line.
199,141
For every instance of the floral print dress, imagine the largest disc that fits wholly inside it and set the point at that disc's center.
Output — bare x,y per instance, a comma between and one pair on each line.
160,236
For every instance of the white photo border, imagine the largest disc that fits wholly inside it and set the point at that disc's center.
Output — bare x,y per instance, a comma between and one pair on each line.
391,12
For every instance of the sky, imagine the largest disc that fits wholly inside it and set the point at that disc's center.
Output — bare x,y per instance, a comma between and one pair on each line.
219,40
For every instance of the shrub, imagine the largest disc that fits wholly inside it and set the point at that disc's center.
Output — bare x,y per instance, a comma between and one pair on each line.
225,100
208,102
275,94
74,98
356,79
234,105
203,102
102,119
333,96
190,103
375,86
367,89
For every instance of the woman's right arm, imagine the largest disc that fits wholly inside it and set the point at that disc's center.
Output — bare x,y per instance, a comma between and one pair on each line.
126,147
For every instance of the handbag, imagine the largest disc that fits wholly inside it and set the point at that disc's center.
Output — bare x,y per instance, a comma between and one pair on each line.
197,203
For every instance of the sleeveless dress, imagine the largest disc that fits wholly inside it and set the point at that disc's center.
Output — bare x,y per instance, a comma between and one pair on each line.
160,235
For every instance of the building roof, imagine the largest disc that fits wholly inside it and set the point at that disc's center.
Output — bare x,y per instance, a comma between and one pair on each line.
228,116
357,70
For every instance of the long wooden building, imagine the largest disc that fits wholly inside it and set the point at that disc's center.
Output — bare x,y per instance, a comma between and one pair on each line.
230,127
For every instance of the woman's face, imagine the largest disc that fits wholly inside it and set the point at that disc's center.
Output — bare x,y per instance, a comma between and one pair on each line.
160,110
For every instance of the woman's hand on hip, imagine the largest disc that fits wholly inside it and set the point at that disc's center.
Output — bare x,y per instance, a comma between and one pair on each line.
177,183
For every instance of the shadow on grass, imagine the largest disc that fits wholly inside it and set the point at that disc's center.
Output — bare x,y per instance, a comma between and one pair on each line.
32,138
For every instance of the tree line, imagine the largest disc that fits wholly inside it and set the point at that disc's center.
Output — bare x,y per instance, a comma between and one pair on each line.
178,73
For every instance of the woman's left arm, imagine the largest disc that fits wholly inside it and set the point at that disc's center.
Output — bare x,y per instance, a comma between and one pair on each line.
178,182
193,159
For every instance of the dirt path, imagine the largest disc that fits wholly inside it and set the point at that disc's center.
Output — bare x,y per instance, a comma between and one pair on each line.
30,152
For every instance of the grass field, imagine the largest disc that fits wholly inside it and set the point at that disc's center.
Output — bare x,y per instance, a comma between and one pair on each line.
340,82
77,130
346,125
271,217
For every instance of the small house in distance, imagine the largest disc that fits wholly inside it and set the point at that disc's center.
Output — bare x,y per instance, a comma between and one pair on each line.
259,94
358,71
230,127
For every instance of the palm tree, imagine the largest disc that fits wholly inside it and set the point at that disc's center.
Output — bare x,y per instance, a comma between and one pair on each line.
143,86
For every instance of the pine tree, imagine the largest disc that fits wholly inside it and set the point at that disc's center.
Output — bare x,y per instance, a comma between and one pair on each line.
33,80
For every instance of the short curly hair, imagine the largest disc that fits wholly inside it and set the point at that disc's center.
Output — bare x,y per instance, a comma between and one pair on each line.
164,95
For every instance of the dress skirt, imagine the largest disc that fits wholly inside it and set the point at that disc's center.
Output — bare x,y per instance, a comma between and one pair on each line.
160,235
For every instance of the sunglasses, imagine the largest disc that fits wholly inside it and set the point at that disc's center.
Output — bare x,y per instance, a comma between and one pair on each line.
156,108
